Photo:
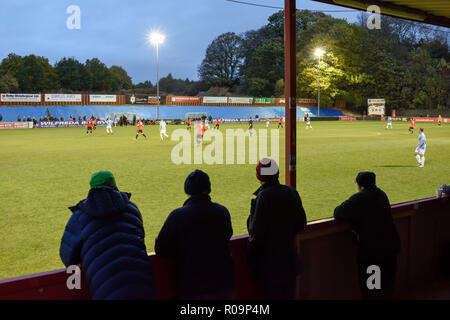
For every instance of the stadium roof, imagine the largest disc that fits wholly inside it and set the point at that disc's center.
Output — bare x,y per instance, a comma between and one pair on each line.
436,12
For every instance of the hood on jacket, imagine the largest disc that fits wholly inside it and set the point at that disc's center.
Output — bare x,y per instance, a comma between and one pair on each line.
104,201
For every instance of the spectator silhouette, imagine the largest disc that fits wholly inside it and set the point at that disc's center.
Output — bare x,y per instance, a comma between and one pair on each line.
105,234
196,236
377,238
276,216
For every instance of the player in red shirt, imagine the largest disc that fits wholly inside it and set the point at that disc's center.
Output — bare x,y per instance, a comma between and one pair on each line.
411,126
140,124
89,126
280,122
217,123
189,121
201,131
95,123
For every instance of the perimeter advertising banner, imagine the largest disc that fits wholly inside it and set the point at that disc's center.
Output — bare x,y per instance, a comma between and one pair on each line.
185,99
238,120
20,97
152,100
215,100
347,118
103,98
16,125
240,100
376,107
59,124
263,100
62,97
426,119
306,102
299,102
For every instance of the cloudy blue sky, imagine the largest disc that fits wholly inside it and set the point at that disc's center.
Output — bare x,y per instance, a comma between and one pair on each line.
116,31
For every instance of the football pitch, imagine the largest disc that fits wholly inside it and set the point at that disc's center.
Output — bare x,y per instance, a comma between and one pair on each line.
44,171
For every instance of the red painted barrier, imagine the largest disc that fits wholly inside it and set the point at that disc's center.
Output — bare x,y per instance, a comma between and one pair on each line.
326,247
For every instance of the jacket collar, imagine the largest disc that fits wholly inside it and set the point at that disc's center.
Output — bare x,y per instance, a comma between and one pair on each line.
265,186
196,199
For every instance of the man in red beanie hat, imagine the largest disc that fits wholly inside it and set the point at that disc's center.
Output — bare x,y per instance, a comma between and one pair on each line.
276,216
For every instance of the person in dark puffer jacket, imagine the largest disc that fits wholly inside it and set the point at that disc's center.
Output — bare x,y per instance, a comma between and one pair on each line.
106,235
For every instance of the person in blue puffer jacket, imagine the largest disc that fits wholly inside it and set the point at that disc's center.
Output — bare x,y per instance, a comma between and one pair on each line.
105,234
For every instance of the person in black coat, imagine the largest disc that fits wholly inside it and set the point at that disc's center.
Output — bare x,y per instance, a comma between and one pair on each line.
377,238
276,216
106,235
196,236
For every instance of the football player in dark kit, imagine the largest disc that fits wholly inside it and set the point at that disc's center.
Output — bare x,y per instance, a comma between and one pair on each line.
250,126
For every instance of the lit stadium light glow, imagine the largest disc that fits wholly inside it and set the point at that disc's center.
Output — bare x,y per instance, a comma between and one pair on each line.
319,52
156,38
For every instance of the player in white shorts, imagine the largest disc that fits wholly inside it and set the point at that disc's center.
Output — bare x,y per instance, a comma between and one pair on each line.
267,122
162,125
389,123
421,148
308,122
109,126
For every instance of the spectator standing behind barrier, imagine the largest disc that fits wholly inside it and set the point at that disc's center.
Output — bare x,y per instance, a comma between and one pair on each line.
1,117
377,238
196,236
106,235
276,216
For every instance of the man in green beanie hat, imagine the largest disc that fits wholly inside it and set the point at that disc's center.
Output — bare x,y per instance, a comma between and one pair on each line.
102,178
105,234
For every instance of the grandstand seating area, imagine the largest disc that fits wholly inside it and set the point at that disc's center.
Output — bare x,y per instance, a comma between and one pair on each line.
10,114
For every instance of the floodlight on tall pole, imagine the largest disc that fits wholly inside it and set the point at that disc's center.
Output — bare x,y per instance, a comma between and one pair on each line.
156,39
319,53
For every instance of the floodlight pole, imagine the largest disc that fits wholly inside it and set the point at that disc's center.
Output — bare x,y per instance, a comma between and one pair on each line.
318,93
290,93
157,81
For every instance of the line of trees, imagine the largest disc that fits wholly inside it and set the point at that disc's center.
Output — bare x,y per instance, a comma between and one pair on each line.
32,74
404,62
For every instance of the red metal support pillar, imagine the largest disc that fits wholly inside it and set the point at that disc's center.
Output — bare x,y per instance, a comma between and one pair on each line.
290,91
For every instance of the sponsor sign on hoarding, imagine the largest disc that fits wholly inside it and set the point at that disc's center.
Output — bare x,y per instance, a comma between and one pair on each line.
347,118
271,119
240,100
152,100
262,100
306,102
16,125
376,107
215,100
185,99
58,124
62,97
299,102
102,98
425,119
238,120
20,97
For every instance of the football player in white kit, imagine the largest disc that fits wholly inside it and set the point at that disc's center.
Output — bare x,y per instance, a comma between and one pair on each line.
162,125
421,148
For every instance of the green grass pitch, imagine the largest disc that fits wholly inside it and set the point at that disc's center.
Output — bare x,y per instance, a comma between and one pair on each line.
44,171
